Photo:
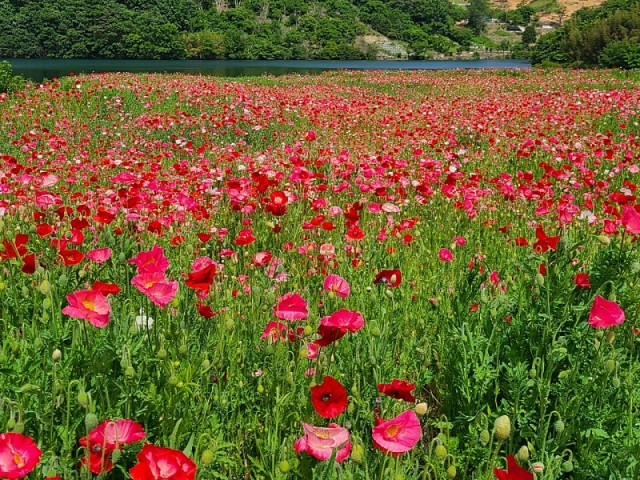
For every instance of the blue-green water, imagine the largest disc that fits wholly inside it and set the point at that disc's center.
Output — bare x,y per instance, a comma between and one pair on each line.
39,69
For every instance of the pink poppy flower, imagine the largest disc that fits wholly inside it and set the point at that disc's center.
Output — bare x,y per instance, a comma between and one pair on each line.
111,434
152,261
445,255
89,305
18,455
605,313
291,307
336,325
99,255
275,331
156,287
460,241
338,285
319,442
398,435
630,220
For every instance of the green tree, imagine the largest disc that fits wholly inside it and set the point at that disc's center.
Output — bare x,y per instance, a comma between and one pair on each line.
8,81
478,10
529,35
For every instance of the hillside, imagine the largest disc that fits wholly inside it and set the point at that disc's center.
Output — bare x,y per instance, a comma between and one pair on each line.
547,8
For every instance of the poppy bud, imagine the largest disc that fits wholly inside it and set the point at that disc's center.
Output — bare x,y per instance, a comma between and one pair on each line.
18,428
611,336
183,350
82,273
533,373
537,467
615,381
56,355
284,466
205,364
451,471
610,365
523,453
83,399
502,427
62,280
25,291
564,374
485,436
440,451
11,423
2,286
567,466
44,287
558,426
604,239
229,323
115,456
357,453
207,457
162,354
421,409
129,372
172,381
90,421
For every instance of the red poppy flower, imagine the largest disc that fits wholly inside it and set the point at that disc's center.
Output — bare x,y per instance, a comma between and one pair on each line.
398,389
158,463
28,264
205,310
201,279
329,398
545,243
582,280
513,471
105,288
390,278
16,248
44,229
277,205
245,237
71,257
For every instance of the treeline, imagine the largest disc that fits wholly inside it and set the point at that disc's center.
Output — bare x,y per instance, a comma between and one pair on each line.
227,29
607,36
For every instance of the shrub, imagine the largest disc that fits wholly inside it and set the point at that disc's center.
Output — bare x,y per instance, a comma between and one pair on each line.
8,81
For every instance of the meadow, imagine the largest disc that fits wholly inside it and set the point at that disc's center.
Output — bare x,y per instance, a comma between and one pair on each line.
355,275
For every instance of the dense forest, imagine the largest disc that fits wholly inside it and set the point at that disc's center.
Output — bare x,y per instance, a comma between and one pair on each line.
607,36
231,29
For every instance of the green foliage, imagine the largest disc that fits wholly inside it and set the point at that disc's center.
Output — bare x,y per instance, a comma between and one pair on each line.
529,35
207,29
8,81
606,36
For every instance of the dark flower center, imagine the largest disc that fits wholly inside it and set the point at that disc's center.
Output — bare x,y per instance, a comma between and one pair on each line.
326,397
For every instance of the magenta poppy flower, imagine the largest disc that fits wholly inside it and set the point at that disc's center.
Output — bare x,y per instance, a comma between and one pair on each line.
152,261
156,287
275,331
99,255
18,455
398,435
513,471
111,434
320,442
338,285
630,220
445,255
329,398
291,307
89,305
605,313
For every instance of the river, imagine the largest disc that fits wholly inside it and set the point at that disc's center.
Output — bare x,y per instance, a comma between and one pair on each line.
39,69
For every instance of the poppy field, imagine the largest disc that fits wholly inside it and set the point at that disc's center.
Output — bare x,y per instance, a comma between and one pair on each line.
355,275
